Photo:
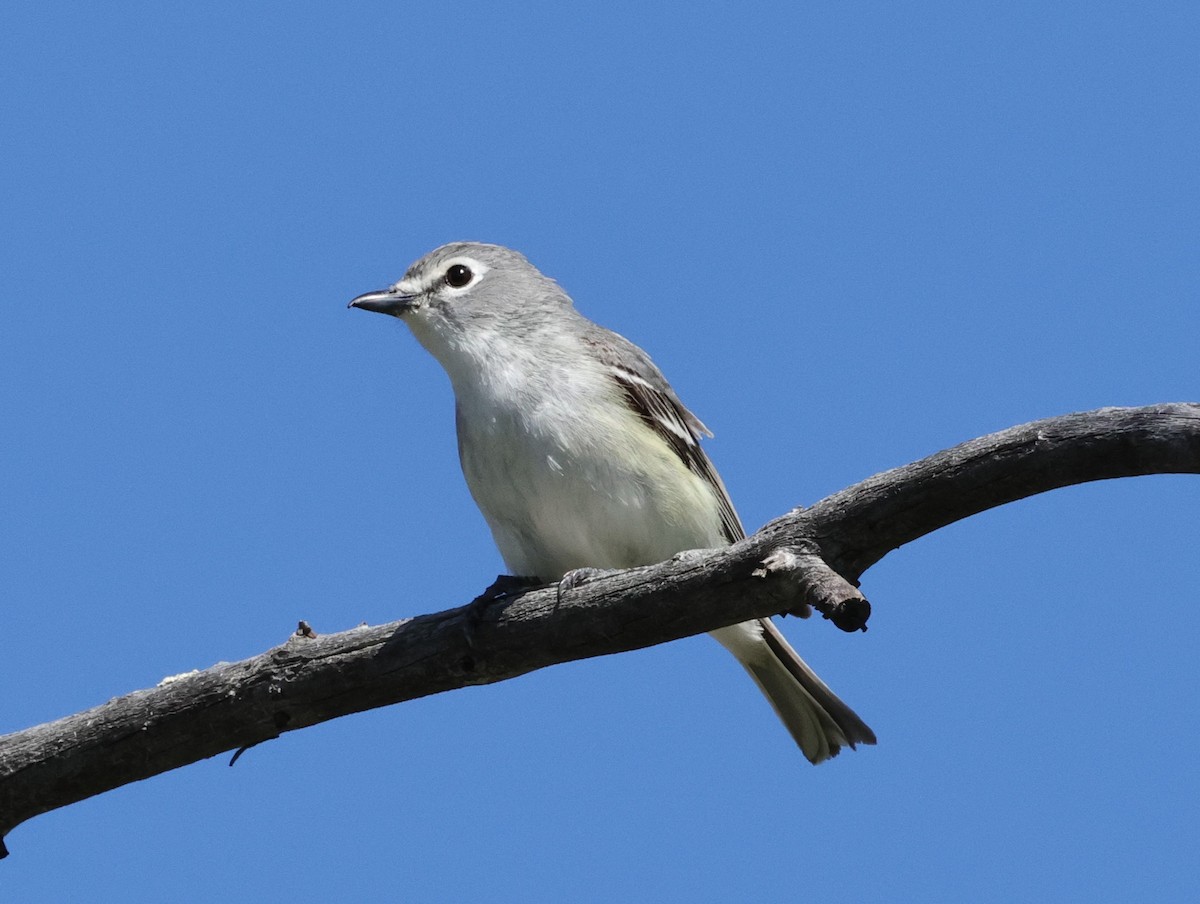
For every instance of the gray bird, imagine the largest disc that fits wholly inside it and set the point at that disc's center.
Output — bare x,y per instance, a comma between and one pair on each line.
580,455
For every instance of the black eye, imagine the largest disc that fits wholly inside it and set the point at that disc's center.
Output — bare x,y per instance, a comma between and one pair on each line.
458,276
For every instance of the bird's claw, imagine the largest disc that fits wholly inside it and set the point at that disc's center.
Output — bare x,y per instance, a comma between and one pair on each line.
503,587
577,577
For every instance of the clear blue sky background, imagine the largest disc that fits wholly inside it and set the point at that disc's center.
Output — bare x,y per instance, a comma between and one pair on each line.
853,234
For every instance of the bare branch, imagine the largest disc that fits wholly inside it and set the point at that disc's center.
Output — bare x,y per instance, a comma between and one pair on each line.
808,557
861,524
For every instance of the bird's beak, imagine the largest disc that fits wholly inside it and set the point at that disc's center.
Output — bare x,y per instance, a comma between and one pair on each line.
386,301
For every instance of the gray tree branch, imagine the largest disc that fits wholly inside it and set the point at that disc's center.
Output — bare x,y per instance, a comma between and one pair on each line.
809,557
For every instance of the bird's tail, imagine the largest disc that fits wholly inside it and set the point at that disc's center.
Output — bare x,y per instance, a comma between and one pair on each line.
818,720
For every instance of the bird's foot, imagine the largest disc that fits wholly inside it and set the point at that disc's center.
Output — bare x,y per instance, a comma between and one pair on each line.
577,577
505,586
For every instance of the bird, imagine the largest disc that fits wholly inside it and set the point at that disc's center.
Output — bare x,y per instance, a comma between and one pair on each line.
581,456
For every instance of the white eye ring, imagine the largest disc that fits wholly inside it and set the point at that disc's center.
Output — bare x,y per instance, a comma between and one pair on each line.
456,275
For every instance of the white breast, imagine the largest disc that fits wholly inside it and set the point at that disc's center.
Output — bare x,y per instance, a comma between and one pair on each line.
567,475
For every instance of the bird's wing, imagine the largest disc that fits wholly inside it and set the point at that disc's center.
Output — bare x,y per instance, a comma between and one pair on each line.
651,397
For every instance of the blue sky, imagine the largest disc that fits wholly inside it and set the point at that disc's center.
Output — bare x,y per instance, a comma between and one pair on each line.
851,234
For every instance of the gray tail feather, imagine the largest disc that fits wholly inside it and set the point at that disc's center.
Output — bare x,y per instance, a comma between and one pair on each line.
818,720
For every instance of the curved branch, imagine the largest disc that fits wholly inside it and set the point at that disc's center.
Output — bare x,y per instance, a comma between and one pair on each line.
807,558
859,525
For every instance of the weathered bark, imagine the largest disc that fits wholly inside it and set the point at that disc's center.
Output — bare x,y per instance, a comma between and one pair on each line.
810,557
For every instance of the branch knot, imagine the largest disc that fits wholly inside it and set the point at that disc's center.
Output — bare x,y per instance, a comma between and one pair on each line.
817,585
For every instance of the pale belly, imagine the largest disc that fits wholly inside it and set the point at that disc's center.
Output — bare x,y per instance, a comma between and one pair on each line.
571,501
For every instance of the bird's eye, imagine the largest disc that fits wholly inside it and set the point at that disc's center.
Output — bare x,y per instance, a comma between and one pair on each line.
458,276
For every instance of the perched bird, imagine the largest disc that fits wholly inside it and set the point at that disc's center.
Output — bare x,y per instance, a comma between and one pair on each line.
580,455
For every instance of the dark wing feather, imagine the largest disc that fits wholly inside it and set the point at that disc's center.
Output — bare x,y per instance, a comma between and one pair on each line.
651,397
